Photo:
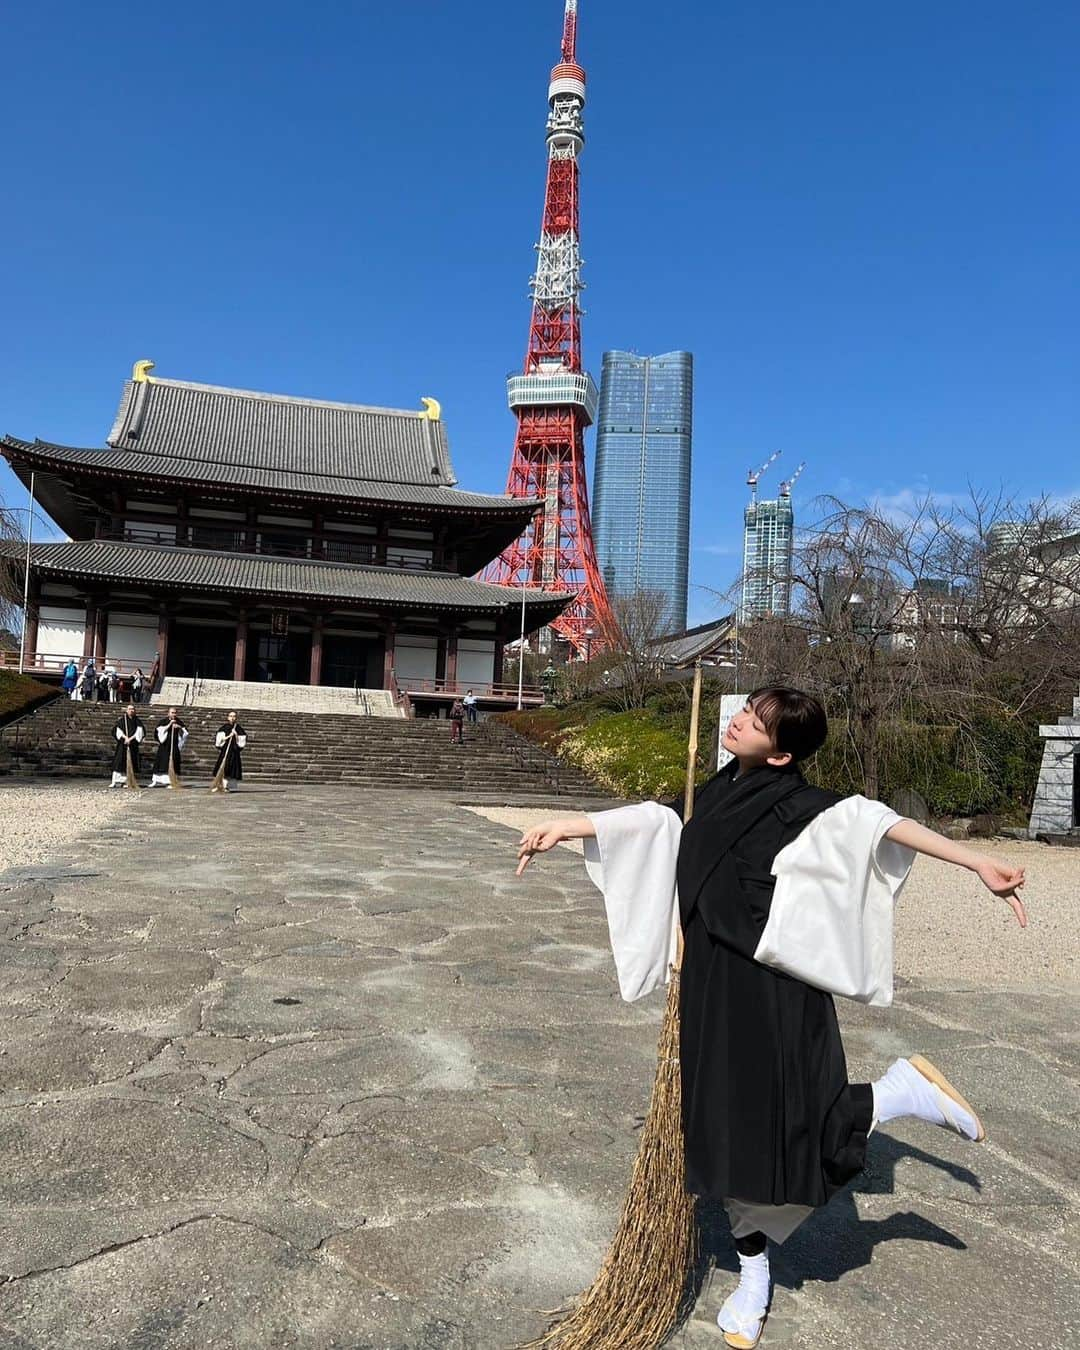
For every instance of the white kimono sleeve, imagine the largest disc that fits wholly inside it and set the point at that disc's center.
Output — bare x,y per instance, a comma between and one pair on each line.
632,861
831,919
241,740
219,739
181,740
163,734
139,733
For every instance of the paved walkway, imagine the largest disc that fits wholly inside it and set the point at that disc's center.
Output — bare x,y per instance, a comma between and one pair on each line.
311,1069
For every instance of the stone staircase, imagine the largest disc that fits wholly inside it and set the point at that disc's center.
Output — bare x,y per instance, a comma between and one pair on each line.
65,739
254,696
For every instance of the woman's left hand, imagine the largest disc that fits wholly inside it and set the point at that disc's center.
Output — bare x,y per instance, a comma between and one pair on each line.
1006,882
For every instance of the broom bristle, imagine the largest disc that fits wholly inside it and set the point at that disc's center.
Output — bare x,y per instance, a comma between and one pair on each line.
637,1299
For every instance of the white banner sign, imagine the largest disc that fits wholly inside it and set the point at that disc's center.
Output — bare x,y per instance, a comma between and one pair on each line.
729,706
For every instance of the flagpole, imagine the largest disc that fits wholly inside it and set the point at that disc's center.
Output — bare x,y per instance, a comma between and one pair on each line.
26,579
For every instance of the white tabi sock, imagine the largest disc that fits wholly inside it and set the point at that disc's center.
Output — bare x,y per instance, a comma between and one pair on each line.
744,1311
905,1090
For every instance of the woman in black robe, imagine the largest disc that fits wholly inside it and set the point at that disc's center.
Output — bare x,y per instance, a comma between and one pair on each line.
772,1126
229,767
127,734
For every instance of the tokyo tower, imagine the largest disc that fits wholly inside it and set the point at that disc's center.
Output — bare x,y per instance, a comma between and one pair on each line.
554,399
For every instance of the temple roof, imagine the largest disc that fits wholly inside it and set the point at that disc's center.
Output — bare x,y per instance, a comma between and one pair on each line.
207,571
242,428
130,464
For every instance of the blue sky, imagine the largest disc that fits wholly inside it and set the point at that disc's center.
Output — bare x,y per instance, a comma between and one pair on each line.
862,220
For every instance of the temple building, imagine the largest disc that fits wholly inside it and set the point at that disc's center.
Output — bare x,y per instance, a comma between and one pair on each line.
228,534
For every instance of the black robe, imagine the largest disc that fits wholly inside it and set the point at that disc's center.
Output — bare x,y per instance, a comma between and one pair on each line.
230,752
161,756
768,1114
127,726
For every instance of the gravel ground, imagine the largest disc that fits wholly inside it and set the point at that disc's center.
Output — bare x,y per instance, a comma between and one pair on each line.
950,932
37,821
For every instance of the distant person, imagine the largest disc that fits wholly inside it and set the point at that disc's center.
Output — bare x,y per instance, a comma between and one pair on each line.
71,679
457,722
229,769
137,686
87,685
112,683
470,706
128,734
101,687
171,738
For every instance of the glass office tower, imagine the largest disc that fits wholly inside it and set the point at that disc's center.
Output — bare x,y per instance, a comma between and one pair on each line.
641,481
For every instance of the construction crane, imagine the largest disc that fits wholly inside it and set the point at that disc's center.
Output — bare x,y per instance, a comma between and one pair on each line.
785,488
754,474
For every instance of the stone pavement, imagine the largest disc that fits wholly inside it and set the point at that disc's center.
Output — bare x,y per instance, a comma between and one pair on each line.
310,1068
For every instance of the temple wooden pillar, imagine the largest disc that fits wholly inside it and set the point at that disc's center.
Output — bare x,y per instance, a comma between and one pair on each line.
101,635
316,650
388,654
240,651
88,631
497,672
30,620
451,659
164,628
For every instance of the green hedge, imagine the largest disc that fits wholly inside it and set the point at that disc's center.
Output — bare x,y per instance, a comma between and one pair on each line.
20,693
981,766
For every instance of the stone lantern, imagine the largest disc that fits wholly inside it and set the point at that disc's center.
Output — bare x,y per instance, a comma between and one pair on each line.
1057,797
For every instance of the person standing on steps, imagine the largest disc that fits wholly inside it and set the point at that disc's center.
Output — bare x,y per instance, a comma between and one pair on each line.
772,1128
172,737
470,707
87,682
71,678
137,685
229,769
128,734
457,722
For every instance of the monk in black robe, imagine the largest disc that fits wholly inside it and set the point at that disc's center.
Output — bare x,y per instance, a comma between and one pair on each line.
171,737
229,766
772,1125
127,735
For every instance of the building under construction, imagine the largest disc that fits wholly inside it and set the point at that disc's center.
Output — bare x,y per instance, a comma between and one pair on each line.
768,546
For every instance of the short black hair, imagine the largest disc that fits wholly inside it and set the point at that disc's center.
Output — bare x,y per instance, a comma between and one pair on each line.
795,720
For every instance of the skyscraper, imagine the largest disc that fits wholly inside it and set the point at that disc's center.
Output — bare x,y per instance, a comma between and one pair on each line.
768,548
641,482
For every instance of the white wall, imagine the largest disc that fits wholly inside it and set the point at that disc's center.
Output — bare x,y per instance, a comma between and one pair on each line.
414,657
475,662
61,631
132,637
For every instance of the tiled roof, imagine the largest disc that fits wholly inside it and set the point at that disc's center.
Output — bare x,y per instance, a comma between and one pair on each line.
245,429
133,464
680,649
244,573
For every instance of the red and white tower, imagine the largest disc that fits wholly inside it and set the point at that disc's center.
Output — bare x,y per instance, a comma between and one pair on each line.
555,399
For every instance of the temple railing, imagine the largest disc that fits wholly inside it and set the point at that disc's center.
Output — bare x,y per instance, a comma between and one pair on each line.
503,691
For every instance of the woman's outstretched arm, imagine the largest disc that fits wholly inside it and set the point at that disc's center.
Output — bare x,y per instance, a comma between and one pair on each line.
998,877
539,838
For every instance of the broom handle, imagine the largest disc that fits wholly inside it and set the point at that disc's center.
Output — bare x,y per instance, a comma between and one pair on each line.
692,746
691,771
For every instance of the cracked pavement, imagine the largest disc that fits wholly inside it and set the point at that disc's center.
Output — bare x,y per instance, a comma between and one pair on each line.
310,1068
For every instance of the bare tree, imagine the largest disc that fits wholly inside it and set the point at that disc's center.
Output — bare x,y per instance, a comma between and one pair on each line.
636,620
960,607
11,567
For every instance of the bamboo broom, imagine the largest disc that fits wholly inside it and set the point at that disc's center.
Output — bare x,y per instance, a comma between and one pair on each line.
218,785
174,777
132,781
639,1296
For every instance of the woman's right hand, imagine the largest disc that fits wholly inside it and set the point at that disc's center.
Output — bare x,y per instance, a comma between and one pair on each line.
538,839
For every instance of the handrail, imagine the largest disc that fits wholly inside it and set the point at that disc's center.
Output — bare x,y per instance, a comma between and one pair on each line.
482,688
47,663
